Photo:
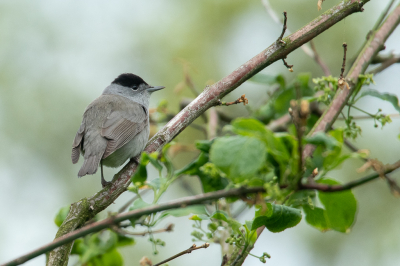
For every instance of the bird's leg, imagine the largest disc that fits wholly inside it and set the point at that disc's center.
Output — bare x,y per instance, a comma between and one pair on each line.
104,183
136,159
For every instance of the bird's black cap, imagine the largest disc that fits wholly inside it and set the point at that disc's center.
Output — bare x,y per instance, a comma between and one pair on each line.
128,80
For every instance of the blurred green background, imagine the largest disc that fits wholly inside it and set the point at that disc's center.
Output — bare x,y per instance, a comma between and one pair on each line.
57,56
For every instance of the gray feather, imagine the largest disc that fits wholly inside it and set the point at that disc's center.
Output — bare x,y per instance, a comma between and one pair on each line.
109,123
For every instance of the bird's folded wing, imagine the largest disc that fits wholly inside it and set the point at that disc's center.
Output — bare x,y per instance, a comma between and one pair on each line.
121,127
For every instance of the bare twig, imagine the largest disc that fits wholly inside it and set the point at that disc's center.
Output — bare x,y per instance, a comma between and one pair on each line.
283,30
189,250
290,67
385,64
344,60
275,18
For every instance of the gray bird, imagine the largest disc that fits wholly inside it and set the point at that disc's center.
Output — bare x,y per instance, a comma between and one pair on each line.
115,126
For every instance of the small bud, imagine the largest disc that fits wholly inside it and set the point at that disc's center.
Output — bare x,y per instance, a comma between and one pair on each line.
315,172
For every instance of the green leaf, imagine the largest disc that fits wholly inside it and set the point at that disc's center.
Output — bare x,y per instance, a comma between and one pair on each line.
140,174
124,241
383,96
193,167
237,156
321,138
317,218
61,215
204,145
277,218
139,204
110,258
340,207
220,215
95,246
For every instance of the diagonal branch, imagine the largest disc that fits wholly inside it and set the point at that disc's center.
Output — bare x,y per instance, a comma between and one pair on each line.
86,208
375,42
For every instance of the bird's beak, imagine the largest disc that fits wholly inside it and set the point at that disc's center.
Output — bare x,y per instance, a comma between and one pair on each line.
153,89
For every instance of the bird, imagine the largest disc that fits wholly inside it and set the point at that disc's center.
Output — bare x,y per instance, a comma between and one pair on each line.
115,126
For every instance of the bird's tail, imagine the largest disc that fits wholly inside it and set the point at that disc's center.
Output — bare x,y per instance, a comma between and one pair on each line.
89,166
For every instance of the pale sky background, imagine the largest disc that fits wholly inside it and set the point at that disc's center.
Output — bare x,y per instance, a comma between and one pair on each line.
57,56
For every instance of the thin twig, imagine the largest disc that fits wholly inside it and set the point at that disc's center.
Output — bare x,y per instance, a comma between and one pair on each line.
352,184
383,15
344,60
362,117
385,64
290,67
168,228
283,29
189,250
277,20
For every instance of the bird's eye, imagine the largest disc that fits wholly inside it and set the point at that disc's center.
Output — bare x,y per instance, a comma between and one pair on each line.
135,88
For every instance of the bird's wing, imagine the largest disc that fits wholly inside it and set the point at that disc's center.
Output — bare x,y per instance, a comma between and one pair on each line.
122,125
76,145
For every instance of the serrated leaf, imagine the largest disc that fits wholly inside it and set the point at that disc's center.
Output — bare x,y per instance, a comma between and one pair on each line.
238,156
383,96
61,215
281,218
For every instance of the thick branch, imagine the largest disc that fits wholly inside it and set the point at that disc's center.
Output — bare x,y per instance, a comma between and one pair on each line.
86,208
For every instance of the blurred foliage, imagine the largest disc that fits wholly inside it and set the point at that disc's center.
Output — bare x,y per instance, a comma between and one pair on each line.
58,56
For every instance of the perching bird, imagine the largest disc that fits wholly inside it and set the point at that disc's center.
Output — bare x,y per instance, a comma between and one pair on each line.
115,126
